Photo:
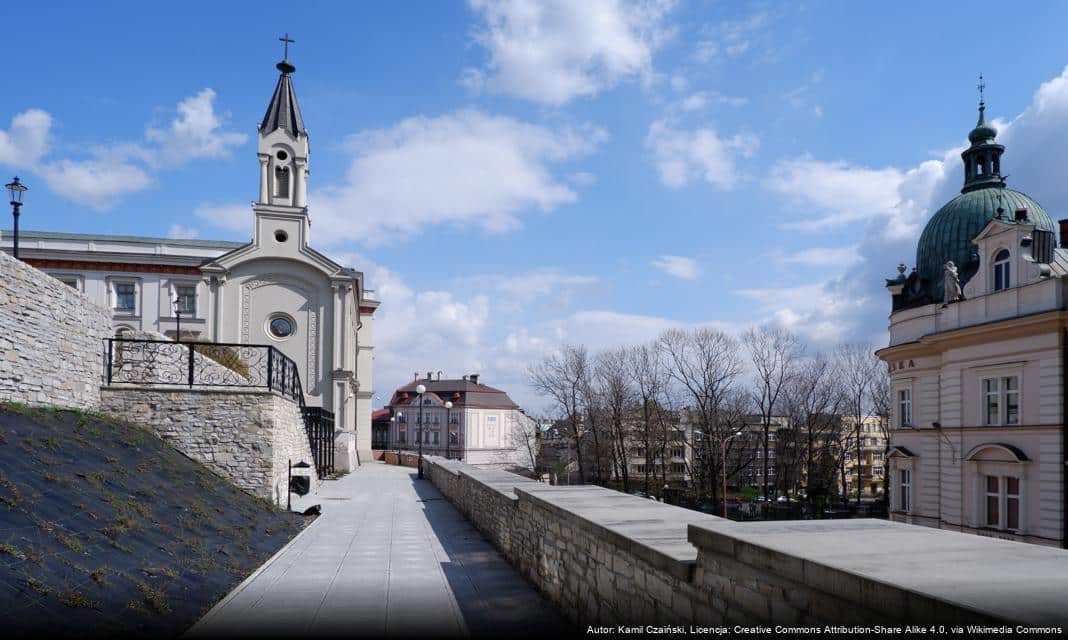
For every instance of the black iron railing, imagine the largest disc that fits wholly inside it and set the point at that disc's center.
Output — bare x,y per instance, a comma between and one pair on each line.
220,364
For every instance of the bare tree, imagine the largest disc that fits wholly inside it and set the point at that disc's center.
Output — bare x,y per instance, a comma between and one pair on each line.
704,362
613,385
560,376
813,402
646,371
857,368
774,353
525,438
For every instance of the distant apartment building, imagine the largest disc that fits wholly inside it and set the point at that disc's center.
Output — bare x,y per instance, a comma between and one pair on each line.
872,443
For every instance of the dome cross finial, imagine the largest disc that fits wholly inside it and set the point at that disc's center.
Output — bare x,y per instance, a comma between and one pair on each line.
286,40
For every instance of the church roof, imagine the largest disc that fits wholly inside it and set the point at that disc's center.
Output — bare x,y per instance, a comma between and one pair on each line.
984,197
472,394
283,112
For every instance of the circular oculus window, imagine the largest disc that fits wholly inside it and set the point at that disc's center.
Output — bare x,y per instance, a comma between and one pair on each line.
281,155
280,326
281,236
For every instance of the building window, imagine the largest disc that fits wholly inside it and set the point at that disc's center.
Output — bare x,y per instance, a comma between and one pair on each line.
678,468
904,407
186,298
454,437
125,297
1001,400
1002,502
678,452
281,326
70,282
904,481
402,435
1001,270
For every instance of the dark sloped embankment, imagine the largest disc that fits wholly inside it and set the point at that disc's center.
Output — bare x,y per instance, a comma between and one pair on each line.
107,531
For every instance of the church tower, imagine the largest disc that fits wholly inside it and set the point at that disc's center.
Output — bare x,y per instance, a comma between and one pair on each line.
283,154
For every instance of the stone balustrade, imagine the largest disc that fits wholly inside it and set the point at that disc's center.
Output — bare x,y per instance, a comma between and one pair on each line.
608,558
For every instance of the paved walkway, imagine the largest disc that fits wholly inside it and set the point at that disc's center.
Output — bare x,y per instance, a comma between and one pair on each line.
389,556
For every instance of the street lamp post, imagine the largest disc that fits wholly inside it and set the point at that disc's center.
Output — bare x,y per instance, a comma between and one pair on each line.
448,428
177,302
421,389
723,452
15,189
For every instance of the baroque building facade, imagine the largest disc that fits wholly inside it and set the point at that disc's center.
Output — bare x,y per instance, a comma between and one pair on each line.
463,419
977,359
276,289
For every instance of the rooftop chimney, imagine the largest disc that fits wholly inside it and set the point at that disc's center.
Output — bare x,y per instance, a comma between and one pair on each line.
1064,233
474,378
416,374
439,375
429,375
465,375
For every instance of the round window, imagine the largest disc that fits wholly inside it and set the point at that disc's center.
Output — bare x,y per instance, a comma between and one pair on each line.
281,155
281,236
281,326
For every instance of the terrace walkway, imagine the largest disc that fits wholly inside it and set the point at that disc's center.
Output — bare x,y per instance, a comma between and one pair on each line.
389,556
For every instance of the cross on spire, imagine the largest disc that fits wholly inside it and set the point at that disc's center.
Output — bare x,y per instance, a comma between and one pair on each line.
981,87
286,39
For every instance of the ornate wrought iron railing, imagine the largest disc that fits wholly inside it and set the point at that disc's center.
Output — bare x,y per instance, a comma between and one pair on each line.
220,364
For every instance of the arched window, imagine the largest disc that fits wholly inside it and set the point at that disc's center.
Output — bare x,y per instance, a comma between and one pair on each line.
281,182
1001,270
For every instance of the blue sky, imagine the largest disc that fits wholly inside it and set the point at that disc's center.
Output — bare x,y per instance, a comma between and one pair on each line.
514,175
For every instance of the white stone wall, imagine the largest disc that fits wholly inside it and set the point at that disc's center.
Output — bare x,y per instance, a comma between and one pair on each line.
245,436
52,339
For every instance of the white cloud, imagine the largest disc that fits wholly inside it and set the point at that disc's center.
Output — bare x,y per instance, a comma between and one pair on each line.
196,132
678,266
520,289
98,182
110,172
894,204
464,168
842,193
552,52
180,232
728,39
233,216
822,257
27,140
684,156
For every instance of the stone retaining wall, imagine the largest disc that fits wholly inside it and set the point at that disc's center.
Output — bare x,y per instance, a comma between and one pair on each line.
607,558
52,339
246,436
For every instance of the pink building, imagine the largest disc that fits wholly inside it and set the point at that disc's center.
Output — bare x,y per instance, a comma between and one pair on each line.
977,357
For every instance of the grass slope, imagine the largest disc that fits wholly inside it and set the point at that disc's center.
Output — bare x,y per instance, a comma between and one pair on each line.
107,531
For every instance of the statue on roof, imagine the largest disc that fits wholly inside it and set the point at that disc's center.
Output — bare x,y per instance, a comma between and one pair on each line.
951,284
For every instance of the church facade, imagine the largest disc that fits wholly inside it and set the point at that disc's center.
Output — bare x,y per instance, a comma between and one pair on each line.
977,358
276,289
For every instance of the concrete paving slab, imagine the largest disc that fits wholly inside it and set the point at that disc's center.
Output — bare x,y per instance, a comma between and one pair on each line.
389,556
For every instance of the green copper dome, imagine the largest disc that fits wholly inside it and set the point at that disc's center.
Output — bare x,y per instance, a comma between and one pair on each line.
949,233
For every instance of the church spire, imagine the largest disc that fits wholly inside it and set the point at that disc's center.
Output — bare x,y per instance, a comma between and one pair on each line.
283,112
982,160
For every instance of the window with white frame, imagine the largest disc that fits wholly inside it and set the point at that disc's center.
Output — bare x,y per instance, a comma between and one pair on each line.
1001,270
1002,502
454,436
125,297
435,433
678,467
904,407
402,434
904,485
185,298
1001,400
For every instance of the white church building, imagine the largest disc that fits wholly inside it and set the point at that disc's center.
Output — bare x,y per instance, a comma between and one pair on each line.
275,289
